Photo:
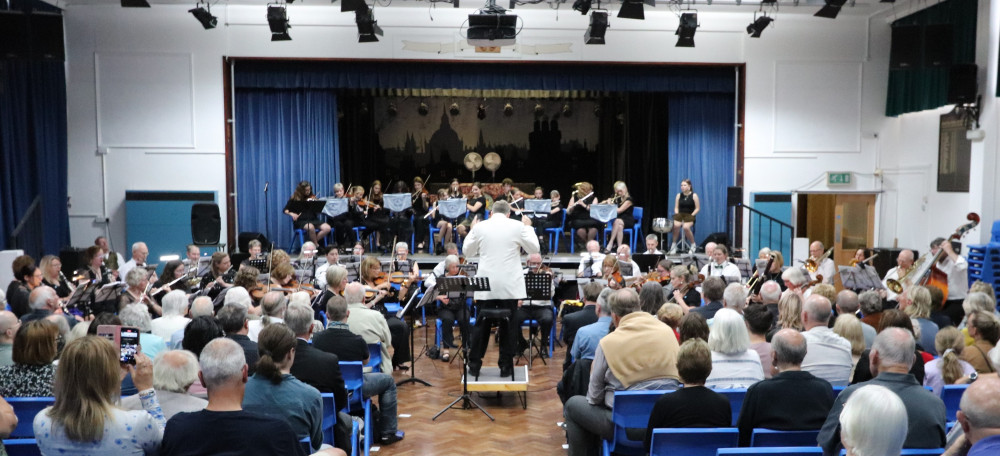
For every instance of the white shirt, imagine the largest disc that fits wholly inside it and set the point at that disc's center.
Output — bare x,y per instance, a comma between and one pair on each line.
256,326
498,243
958,276
735,371
123,269
892,274
552,291
167,325
730,272
653,252
635,270
438,271
828,356
827,269
592,260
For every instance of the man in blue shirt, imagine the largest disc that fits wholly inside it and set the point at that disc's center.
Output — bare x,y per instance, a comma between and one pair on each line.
587,337
979,415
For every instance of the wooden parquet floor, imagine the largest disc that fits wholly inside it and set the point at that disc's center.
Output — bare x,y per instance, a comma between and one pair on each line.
516,431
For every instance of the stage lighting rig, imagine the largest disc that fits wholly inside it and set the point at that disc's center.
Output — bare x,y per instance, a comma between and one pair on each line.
508,109
598,27
423,109
582,6
204,15
492,26
831,9
685,30
758,25
633,9
277,20
367,25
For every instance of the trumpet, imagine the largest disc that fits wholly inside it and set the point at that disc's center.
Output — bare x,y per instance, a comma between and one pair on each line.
812,264
855,262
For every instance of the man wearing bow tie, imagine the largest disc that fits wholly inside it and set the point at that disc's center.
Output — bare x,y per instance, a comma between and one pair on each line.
721,267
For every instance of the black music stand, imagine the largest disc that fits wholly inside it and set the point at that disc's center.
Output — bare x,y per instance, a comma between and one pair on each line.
539,288
857,278
647,261
400,315
464,285
81,299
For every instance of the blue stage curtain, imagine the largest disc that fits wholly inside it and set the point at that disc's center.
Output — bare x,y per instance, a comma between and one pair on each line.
480,75
282,137
701,147
33,154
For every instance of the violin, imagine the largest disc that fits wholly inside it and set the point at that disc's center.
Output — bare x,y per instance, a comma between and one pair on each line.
653,276
819,279
688,286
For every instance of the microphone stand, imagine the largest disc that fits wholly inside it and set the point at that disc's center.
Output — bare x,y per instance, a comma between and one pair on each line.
267,218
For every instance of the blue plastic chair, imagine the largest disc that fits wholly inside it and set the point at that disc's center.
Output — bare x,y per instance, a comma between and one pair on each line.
632,231
529,323
735,397
22,447
776,438
330,419
26,408
692,441
375,357
353,381
770,451
472,322
555,233
952,395
630,416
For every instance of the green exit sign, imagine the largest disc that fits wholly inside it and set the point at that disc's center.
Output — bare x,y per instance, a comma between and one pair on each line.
838,178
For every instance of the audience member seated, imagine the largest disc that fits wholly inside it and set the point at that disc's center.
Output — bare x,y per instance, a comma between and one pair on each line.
891,356
693,326
317,368
892,318
733,297
9,325
985,330
734,363
201,307
873,422
829,355
588,337
339,340
175,307
947,369
694,405
174,371
63,331
84,418
197,334
711,292
759,322
571,323
871,309
976,300
789,314
224,427
137,315
233,319
8,419
849,327
641,354
671,314
272,306
979,417
44,302
768,403
368,323
32,374
917,305
26,277
848,303
273,390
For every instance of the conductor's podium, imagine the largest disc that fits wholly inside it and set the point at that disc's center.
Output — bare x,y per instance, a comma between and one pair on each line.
490,381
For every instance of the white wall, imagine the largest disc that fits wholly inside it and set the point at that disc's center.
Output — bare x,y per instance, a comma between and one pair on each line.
815,93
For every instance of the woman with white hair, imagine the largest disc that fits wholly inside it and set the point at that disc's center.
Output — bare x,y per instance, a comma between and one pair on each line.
734,363
137,316
175,307
873,422
174,371
137,279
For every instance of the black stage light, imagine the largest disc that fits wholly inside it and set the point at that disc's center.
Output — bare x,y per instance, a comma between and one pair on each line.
831,9
352,5
686,29
481,111
204,15
598,26
492,29
135,4
453,109
367,25
758,26
633,9
582,6
508,109
423,109
277,20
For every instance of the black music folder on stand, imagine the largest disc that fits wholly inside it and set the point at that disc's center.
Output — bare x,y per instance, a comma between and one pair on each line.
858,278
81,298
539,288
463,285
647,261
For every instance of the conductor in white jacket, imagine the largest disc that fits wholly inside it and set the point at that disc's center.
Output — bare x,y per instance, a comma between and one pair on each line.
498,243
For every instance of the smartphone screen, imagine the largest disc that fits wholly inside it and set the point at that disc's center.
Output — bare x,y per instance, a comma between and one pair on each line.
129,345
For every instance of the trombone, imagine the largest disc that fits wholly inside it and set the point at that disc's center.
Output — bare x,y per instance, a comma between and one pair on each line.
855,262
898,285
812,264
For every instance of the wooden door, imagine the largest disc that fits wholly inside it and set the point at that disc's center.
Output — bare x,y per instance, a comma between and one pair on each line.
854,226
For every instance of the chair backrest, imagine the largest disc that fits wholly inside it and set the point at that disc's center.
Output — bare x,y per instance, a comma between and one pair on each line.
775,438
837,390
22,447
26,408
952,396
692,441
637,215
329,417
768,451
631,411
375,357
735,397
353,372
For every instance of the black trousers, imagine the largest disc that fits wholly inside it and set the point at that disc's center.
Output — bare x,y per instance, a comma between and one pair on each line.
507,331
343,229
541,314
449,314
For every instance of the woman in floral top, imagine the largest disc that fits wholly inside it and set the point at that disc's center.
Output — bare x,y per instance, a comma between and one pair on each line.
32,373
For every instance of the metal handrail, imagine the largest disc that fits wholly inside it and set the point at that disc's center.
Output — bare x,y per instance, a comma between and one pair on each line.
771,221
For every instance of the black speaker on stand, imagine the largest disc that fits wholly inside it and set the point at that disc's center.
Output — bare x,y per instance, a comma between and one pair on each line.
206,224
962,84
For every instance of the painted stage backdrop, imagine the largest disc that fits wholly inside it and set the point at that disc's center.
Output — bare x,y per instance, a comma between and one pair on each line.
550,147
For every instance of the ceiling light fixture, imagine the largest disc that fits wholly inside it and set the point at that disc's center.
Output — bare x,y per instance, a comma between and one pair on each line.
686,29
831,9
598,27
277,20
367,25
204,15
758,25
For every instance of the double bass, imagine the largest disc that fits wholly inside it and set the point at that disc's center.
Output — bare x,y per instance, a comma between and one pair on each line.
936,277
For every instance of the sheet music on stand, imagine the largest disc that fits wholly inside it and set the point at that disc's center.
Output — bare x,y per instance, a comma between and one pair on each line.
260,264
81,298
315,206
470,269
109,292
603,213
452,208
858,278
429,297
397,202
352,271
463,284
537,207
647,261
746,268
335,206
538,286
